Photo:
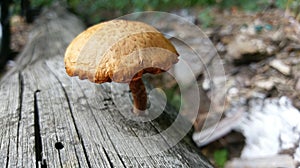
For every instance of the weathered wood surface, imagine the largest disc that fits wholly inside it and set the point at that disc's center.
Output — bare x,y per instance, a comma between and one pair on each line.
48,119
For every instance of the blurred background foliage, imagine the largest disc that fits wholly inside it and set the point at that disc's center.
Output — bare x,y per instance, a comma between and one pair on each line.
94,11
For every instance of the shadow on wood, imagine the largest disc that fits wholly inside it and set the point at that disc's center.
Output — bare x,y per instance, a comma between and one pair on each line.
51,120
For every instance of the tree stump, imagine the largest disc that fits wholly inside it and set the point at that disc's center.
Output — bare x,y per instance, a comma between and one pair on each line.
49,119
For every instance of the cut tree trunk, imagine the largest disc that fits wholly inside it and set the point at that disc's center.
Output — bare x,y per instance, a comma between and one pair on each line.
49,119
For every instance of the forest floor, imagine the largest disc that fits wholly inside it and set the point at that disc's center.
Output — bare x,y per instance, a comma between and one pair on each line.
261,55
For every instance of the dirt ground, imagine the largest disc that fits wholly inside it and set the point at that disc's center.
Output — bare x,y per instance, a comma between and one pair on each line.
261,52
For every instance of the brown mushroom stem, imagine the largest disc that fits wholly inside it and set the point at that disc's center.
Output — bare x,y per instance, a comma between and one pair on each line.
139,95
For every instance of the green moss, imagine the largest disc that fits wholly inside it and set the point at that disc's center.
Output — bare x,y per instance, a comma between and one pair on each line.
220,157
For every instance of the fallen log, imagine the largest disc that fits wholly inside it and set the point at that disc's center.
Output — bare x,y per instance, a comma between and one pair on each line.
51,120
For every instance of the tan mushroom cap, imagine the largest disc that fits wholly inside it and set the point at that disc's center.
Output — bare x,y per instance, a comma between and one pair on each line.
119,51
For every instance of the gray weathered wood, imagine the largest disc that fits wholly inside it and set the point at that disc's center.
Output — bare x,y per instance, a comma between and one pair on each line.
41,108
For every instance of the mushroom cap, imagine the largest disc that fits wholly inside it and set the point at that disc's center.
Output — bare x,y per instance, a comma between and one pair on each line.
120,51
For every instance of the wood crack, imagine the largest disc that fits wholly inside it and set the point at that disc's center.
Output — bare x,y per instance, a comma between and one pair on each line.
37,135
119,156
73,119
59,155
7,157
21,91
106,154
104,128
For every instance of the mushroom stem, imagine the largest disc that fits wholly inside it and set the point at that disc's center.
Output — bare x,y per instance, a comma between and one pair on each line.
139,95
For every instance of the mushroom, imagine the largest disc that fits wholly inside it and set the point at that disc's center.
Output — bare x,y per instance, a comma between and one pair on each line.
120,51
